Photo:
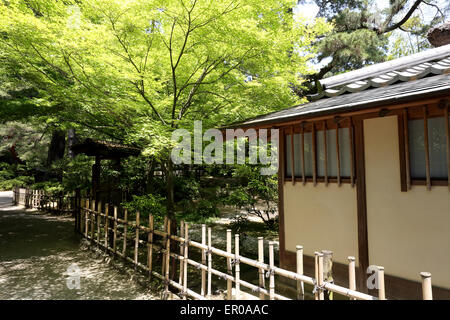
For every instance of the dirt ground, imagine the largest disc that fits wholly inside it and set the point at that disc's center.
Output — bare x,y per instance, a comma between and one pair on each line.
42,258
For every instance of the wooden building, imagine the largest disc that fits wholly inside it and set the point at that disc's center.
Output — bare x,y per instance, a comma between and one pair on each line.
364,172
105,150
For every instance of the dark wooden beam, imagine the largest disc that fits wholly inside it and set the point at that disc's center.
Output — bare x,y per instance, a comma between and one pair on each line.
406,145
361,202
281,170
402,153
314,153
292,156
352,153
303,155
338,155
325,152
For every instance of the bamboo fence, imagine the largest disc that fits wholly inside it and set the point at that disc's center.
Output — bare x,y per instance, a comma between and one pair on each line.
102,226
39,199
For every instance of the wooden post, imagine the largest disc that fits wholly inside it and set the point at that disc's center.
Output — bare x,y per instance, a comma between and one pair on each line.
125,232
86,218
99,221
163,260
261,270
115,231
182,235
92,220
150,244
229,267
106,225
136,239
203,284
237,268
318,259
351,274
328,271
381,290
271,273
427,293
185,260
167,257
209,264
300,284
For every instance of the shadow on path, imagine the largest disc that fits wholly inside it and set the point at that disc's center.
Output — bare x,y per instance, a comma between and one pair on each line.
36,251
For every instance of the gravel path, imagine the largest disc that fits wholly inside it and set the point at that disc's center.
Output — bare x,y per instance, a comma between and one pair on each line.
41,258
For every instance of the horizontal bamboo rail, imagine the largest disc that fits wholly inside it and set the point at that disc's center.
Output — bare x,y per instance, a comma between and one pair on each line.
117,228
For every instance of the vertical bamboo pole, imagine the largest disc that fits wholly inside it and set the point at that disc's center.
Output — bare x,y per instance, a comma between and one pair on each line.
115,231
185,260
261,270
300,284
136,239
320,274
150,245
86,218
316,275
328,271
271,274
237,268
106,225
182,235
203,284
92,220
167,257
163,262
381,289
99,220
351,274
229,267
125,233
209,264
427,292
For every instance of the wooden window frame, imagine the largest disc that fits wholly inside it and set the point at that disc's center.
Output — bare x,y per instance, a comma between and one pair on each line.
316,128
424,112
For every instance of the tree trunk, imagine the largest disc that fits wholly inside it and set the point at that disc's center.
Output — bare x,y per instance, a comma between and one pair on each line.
56,149
170,181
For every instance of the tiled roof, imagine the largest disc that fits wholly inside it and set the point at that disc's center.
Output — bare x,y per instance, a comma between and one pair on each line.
416,72
397,93
419,75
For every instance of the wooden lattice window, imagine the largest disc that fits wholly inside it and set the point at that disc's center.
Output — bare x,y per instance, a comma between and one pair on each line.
320,152
425,146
